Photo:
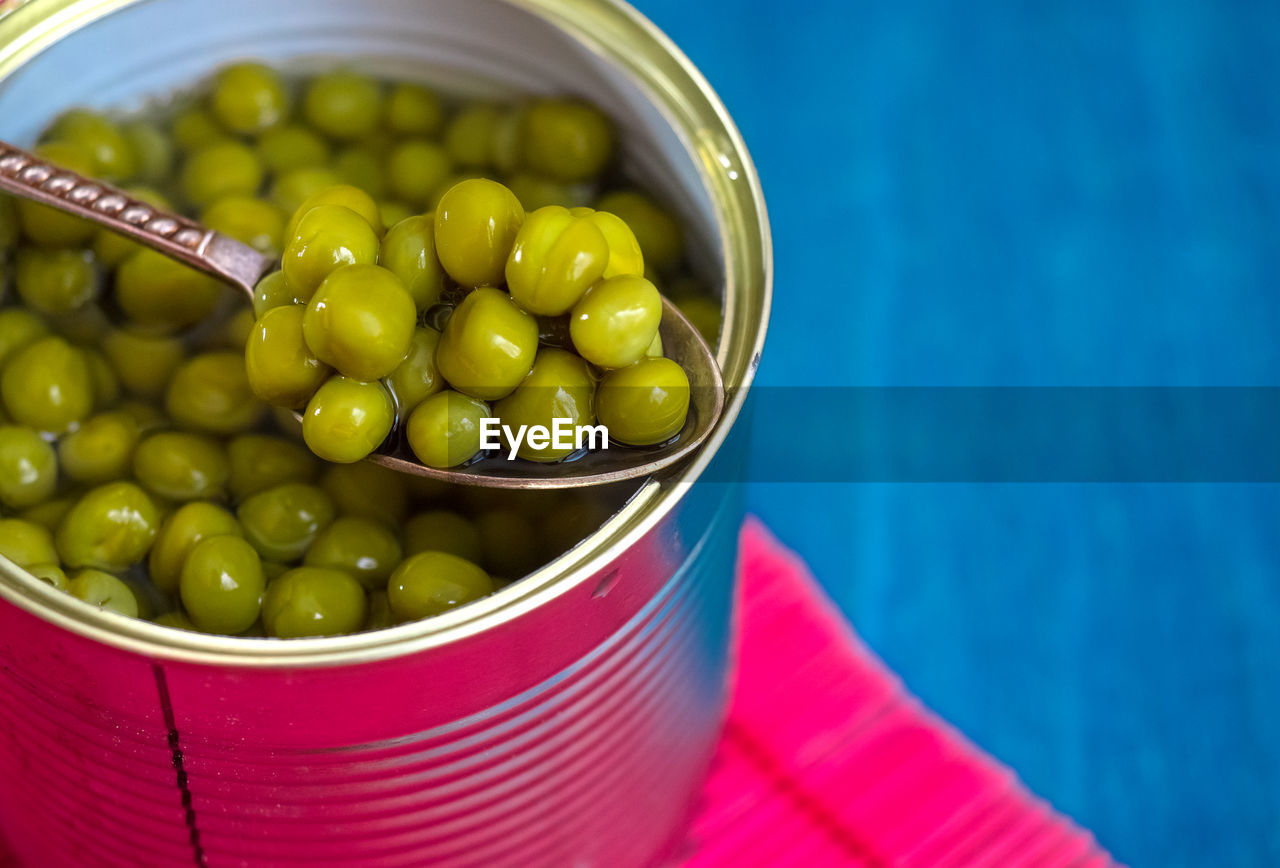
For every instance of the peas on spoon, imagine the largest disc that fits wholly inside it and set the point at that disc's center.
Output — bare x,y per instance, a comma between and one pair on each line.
38,180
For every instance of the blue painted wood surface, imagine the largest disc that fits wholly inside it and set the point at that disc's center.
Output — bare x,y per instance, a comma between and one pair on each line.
1071,192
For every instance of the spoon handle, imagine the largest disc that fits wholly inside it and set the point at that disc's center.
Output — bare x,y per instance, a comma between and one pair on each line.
27,176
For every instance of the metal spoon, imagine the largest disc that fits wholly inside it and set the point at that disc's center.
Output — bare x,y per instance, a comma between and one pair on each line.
27,176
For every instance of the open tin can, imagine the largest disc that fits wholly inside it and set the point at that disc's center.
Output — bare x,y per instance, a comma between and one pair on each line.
566,720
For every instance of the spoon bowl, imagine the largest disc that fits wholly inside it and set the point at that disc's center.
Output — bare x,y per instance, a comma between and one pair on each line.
28,176
683,345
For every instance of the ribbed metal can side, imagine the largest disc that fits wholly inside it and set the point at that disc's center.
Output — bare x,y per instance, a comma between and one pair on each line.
593,764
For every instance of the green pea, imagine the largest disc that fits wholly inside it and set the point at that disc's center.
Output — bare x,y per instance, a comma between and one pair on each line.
101,450
416,378
565,140
343,105
180,533
432,583
347,419
55,281
366,549
511,543
488,345
366,490
50,513
261,461
18,329
26,543
176,621
560,387
104,591
469,135
149,417
110,248
508,149
327,238
314,601
194,128
162,294
361,321
415,169
483,136
222,585
361,168
443,530
180,466
379,617
625,256
225,168
704,313
452,181
288,422
210,392
49,227
347,196
248,98
476,226
444,430
111,528
556,258
257,222
291,188
281,368
393,212
291,146
535,192
153,150
87,325
379,142
283,521
644,403
409,251
234,332
655,349
658,233
47,386
52,575
616,322
413,110
273,291
274,571
112,156
106,384
144,362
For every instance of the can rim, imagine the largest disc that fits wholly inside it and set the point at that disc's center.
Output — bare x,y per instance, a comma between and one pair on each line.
619,34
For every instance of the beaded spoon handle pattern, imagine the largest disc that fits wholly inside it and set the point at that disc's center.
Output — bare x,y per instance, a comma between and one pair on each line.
26,175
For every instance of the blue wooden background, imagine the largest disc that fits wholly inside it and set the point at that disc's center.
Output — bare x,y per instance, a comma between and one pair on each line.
1068,192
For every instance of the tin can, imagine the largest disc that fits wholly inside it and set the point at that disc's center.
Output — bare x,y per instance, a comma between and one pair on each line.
568,719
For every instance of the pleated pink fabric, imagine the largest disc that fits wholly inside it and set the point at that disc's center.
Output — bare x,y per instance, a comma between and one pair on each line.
827,761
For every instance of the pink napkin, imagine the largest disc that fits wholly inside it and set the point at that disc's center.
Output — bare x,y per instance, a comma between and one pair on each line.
827,761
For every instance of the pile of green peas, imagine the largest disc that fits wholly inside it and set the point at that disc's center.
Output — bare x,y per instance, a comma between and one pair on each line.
476,310
140,471
551,319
